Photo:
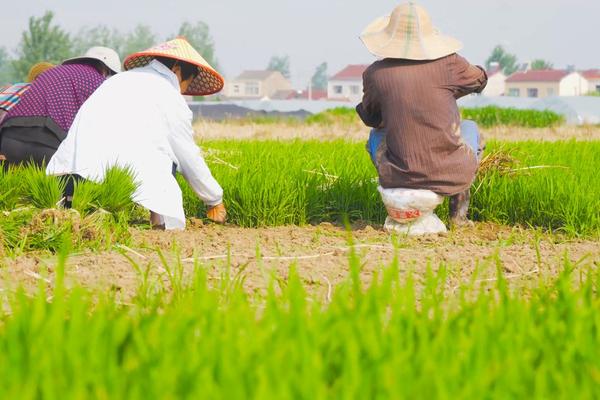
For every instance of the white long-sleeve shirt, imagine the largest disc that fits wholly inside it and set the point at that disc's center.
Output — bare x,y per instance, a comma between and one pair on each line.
139,119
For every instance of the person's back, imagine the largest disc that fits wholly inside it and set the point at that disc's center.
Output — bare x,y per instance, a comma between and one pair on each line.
140,120
57,94
34,128
418,141
418,107
136,127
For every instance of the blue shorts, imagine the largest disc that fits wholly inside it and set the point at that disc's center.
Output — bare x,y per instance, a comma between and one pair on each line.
468,130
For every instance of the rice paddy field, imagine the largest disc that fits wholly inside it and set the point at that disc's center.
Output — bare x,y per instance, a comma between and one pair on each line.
301,294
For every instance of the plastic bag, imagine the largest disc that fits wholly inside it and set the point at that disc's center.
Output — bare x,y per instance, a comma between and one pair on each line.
407,205
412,211
428,225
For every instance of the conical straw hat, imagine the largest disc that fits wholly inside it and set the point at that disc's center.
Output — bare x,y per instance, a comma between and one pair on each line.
37,70
208,81
409,34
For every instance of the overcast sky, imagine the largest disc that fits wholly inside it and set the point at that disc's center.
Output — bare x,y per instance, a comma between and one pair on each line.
248,32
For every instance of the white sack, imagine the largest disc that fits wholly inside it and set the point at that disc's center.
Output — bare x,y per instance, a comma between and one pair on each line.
428,225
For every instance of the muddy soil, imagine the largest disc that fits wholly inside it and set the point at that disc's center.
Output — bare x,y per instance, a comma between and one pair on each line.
319,253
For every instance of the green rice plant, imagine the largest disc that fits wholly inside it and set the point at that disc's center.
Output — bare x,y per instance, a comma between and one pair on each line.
399,337
485,116
116,191
554,187
276,183
30,229
11,188
192,205
269,183
41,190
491,116
31,219
338,115
85,196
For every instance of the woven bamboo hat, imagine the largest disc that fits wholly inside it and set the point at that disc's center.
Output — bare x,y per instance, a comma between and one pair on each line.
207,81
409,34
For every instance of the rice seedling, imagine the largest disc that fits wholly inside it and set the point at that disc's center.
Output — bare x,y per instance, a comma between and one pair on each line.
553,187
11,188
42,191
397,338
276,183
116,190
85,196
268,183
33,220
338,115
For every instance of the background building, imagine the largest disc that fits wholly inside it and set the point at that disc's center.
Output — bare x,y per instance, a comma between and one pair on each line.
347,85
593,78
257,85
496,81
546,83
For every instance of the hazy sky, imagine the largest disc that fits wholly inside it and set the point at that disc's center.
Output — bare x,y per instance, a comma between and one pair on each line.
248,32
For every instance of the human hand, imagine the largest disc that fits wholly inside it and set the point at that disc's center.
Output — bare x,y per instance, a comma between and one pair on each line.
217,213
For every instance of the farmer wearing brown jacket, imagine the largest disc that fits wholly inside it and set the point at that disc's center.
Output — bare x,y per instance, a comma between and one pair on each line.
418,140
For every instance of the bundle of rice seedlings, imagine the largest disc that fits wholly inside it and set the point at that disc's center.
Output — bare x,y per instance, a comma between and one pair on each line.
499,161
11,187
85,196
41,190
116,190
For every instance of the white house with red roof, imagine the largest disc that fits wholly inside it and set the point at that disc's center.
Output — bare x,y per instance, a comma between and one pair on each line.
496,81
593,78
546,83
347,85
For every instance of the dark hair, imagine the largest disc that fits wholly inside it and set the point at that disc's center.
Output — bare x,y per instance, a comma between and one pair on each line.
187,70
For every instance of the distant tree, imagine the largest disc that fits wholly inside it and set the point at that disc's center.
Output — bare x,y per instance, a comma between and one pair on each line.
198,35
507,61
99,35
319,78
43,41
541,64
6,70
139,39
281,64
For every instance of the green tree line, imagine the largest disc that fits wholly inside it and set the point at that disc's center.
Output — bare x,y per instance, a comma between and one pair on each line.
508,62
45,40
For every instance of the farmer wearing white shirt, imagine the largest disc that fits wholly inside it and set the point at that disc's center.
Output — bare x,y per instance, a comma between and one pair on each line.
139,119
